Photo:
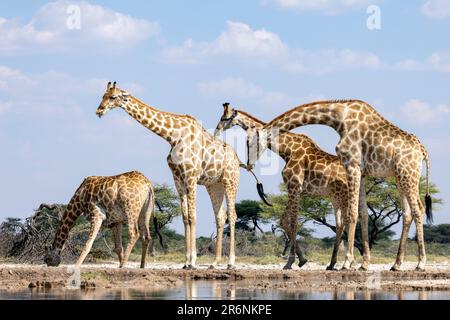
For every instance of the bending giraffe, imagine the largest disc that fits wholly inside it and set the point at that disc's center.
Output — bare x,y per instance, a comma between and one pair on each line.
308,171
109,202
195,158
369,146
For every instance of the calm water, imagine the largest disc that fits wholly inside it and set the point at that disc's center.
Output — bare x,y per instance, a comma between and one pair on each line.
220,290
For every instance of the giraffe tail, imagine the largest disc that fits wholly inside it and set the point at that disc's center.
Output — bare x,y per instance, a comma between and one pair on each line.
428,200
260,189
155,219
149,203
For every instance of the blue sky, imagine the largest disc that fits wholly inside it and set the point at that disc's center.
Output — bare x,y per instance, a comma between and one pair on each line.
189,57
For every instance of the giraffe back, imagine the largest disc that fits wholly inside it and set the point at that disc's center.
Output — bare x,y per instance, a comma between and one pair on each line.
122,196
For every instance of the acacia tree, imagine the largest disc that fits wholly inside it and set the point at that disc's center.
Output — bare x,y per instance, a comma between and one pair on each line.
274,213
248,215
167,207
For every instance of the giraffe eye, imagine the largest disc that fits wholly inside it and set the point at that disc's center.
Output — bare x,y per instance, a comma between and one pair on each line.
113,97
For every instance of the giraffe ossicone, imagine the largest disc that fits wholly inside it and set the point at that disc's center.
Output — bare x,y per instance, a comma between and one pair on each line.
195,158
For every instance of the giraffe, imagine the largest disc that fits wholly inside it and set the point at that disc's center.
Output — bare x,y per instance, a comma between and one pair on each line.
369,145
195,158
308,171
108,201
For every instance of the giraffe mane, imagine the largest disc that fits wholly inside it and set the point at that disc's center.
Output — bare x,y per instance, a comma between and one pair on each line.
251,117
315,103
168,113
291,134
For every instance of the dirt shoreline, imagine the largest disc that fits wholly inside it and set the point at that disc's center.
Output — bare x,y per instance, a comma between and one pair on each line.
165,276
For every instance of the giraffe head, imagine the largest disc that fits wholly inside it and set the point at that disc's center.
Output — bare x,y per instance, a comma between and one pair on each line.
113,98
52,257
228,119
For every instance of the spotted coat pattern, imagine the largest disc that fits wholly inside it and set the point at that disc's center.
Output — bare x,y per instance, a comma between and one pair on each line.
369,146
195,158
309,171
109,201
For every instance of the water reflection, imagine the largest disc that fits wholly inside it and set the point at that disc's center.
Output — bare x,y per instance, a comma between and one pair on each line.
217,289
213,289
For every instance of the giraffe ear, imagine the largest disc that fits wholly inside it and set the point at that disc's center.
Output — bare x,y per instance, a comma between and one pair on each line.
125,94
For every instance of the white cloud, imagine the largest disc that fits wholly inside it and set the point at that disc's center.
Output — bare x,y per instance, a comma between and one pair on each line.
244,91
47,31
329,7
264,48
40,94
239,43
5,106
419,112
236,87
436,9
438,61
238,39
326,61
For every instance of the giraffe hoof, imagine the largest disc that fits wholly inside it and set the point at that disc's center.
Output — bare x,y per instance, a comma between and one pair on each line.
395,268
231,267
363,268
302,263
331,268
421,269
212,267
185,267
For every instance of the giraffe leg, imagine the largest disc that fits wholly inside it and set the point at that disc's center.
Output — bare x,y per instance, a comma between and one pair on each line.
187,231
97,217
144,226
420,237
407,219
145,242
339,231
230,196
191,200
118,249
301,257
133,233
354,179
216,193
185,212
291,216
417,211
364,222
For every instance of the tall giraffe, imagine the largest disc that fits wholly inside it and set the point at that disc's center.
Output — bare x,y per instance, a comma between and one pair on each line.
196,157
109,202
369,146
308,171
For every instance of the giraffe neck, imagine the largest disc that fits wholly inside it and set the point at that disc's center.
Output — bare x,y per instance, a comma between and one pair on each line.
159,122
279,145
68,219
323,112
